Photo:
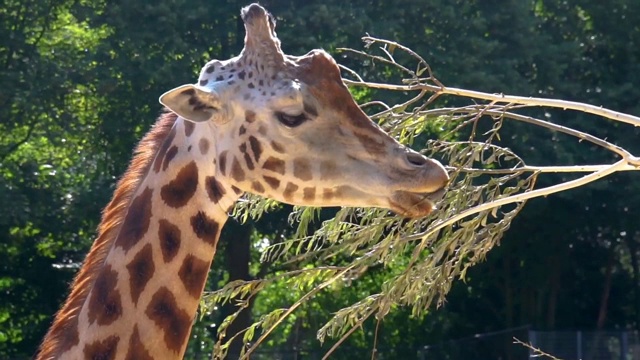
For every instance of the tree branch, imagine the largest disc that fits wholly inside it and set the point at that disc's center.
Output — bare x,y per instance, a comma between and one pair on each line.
521,197
501,98
16,145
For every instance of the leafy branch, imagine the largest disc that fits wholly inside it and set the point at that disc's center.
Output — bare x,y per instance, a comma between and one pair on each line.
422,257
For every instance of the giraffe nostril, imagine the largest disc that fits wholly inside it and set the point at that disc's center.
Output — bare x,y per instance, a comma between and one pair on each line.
416,159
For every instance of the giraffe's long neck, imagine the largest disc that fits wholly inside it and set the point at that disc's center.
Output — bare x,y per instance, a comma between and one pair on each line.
145,293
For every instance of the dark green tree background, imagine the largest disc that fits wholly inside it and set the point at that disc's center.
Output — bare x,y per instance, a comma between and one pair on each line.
79,82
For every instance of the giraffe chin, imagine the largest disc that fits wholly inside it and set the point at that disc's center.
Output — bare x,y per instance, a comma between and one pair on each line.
414,205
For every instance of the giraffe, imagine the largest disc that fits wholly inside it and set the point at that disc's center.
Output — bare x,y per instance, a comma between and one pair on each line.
263,122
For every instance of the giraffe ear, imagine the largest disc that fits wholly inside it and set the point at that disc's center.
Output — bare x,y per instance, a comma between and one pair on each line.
192,102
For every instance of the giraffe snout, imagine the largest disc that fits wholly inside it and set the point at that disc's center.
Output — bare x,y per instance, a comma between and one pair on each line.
435,174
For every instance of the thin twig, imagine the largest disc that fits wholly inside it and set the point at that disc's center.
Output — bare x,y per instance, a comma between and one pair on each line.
375,102
379,58
543,169
350,71
536,351
421,60
374,351
400,107
344,337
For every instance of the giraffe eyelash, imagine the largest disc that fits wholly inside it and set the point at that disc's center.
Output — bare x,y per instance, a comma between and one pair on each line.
291,120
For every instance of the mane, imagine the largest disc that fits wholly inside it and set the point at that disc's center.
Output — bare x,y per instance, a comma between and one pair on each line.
60,336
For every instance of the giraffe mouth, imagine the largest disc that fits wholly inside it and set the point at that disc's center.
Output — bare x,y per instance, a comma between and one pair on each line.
414,205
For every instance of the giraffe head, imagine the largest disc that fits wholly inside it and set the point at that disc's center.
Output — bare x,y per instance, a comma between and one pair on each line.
286,127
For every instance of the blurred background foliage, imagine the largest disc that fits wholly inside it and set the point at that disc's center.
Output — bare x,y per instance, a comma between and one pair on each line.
79,82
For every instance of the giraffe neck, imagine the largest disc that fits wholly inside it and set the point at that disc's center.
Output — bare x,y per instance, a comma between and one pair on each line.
145,293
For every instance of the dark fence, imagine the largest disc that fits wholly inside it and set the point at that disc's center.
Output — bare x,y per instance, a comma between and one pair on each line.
587,345
498,345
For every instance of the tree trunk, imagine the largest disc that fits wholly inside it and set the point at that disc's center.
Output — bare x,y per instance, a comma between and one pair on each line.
238,257
606,290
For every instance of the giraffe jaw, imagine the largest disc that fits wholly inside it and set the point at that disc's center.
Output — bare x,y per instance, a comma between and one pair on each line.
414,205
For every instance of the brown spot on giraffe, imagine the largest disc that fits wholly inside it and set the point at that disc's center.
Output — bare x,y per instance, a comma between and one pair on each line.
289,190
170,155
247,159
203,82
257,187
205,228
203,144
277,147
236,170
256,148
181,189
105,304
222,162
327,194
309,194
273,182
136,350
242,130
250,116
175,323
193,274
102,349
163,150
302,169
136,223
274,164
170,238
214,189
141,269
188,125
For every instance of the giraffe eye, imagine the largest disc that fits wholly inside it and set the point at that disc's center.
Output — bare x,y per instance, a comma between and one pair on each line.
291,120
